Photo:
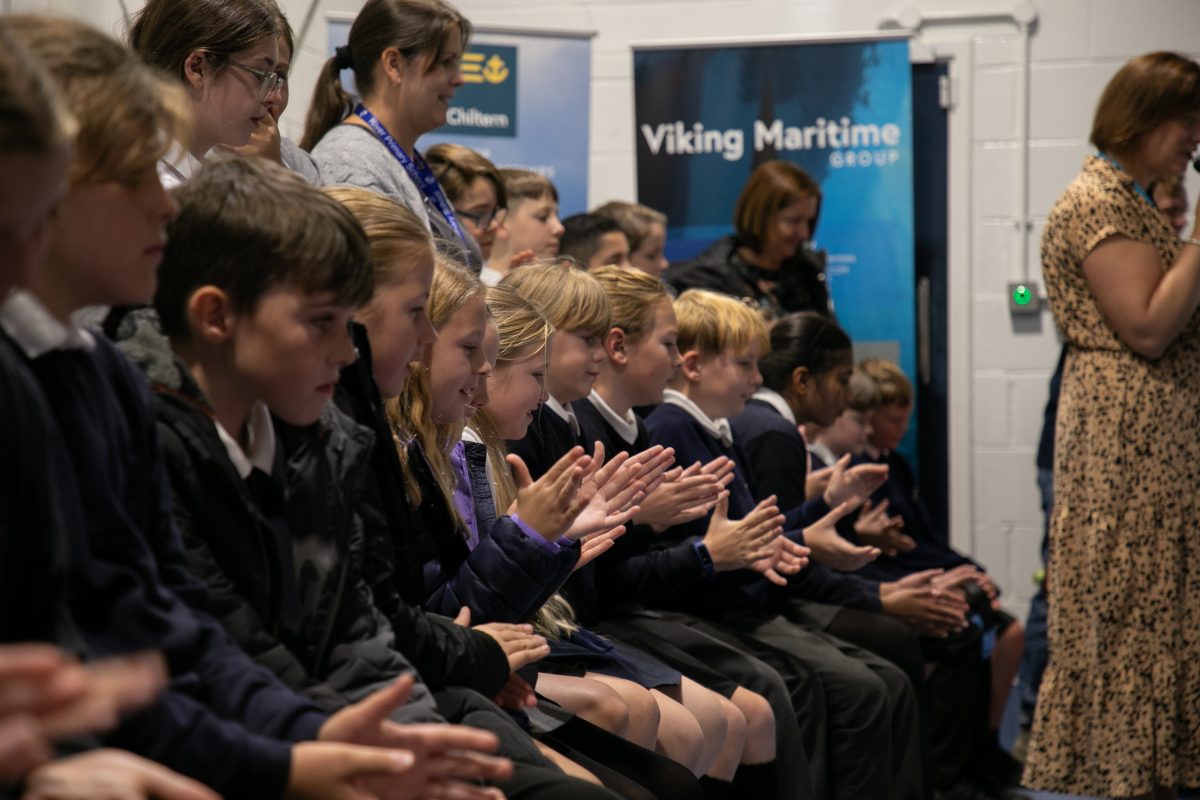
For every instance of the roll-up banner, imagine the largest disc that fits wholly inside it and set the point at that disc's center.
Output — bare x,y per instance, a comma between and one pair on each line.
524,102
708,113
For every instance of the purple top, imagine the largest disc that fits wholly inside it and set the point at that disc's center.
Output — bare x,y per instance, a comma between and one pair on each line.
464,502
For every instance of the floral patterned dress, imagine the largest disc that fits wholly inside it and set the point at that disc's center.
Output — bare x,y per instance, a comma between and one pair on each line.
1119,707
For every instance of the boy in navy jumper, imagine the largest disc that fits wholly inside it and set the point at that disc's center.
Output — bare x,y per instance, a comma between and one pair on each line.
889,422
225,721
720,341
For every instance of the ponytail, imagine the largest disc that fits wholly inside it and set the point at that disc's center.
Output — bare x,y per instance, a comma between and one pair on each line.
331,104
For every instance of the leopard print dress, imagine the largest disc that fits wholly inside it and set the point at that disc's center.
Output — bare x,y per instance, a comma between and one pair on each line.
1119,706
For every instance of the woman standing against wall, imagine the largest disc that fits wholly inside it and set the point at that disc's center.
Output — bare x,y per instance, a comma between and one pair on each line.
405,56
1119,709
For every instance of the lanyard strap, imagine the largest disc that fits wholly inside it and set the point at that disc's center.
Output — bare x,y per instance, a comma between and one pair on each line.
1140,189
416,168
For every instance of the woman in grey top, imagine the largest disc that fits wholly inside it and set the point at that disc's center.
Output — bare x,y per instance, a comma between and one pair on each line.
405,57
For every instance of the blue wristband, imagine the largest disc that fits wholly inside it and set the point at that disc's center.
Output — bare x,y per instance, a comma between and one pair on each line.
705,557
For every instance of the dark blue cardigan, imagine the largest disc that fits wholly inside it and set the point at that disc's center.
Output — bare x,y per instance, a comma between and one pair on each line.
131,590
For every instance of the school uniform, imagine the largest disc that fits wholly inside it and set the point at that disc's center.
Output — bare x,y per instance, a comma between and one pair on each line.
551,435
675,638
225,721
861,692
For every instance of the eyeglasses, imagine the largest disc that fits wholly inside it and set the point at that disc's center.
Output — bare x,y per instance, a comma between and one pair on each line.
484,219
270,81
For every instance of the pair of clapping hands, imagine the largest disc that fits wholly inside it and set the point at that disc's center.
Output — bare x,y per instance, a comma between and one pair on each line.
47,696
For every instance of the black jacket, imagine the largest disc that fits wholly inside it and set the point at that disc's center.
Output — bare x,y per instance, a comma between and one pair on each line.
283,569
798,285
445,653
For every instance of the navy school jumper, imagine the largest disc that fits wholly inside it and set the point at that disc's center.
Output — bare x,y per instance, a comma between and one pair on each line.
223,717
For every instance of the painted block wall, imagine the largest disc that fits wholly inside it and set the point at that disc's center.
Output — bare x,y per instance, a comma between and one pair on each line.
1000,369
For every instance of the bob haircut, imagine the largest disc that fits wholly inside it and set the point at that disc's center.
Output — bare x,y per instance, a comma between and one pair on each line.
457,167
1146,92
571,299
711,323
772,187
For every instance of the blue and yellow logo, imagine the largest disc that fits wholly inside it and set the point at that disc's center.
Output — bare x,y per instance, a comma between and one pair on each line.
482,68
486,103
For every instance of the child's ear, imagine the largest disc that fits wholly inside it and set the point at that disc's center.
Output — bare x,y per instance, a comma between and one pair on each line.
196,68
614,347
689,365
799,384
208,315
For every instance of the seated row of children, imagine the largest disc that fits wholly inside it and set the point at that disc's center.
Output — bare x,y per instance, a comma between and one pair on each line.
295,515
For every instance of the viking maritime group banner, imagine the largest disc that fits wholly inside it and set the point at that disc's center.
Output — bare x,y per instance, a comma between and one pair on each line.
706,116
524,102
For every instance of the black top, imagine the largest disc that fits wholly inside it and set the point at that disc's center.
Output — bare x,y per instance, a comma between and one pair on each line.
798,284
1045,452
548,439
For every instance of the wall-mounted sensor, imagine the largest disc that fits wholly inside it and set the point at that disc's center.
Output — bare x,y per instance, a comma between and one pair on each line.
1023,298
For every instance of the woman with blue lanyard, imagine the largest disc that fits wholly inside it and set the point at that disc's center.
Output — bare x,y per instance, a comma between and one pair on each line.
1119,708
405,56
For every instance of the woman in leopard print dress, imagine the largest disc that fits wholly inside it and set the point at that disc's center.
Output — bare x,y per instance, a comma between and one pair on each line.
1119,710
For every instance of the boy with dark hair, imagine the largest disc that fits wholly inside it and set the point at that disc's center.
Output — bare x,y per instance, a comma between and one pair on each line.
594,241
267,472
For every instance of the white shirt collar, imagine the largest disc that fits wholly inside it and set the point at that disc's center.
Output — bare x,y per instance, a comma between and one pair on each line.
177,166
821,451
717,428
260,443
776,401
626,426
564,412
35,330
489,276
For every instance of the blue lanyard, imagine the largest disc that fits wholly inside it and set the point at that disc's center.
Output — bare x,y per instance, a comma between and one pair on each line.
416,168
1140,190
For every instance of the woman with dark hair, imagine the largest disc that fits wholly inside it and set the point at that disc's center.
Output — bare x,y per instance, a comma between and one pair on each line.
405,56
1117,714
767,260
225,54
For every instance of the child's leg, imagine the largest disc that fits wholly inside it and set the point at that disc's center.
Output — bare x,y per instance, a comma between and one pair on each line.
588,699
721,722
759,747
1006,659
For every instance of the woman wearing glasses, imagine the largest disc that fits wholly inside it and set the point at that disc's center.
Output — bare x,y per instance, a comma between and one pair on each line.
225,53
405,58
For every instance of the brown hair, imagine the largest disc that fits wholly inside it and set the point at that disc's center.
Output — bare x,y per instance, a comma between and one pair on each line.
126,114
894,388
1146,92
635,219
457,167
773,186
569,297
247,225
633,296
398,239
164,32
416,28
710,323
525,184
32,116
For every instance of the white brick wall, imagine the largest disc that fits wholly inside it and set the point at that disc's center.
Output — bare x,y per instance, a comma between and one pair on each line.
996,406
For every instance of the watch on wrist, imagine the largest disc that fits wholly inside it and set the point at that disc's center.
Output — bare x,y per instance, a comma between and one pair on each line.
705,558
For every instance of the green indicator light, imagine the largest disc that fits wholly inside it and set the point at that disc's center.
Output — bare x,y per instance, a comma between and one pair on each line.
1022,295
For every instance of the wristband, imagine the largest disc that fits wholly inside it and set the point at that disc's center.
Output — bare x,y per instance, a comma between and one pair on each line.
705,558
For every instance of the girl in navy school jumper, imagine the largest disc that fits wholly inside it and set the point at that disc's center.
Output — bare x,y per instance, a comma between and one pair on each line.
573,642
226,722
640,358
720,338
499,569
